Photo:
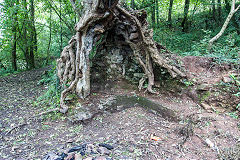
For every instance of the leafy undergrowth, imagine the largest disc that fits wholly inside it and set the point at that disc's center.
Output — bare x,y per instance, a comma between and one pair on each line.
195,43
51,98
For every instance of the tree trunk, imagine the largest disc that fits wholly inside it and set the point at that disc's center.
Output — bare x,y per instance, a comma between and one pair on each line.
133,4
219,6
14,43
184,22
106,18
50,36
228,7
33,43
25,36
230,15
213,10
170,14
157,12
153,14
61,35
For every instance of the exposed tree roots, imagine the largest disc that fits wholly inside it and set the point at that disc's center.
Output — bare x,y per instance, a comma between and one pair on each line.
105,17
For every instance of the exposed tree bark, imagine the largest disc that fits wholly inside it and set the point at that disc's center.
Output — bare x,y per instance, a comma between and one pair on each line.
186,10
105,17
170,13
230,15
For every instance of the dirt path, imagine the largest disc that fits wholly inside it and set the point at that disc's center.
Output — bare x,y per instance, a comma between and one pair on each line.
128,131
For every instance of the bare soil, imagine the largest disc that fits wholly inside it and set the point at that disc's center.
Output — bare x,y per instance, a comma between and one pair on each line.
129,130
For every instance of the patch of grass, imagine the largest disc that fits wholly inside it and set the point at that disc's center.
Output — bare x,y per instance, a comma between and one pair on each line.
204,96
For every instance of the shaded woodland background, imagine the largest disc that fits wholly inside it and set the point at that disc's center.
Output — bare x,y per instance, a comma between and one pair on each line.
34,32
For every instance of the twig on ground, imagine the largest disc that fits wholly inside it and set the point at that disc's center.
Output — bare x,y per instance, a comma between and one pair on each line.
17,126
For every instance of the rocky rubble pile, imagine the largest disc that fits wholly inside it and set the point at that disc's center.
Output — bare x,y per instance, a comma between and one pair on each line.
85,151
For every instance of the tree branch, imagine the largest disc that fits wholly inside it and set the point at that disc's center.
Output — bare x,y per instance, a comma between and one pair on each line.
230,15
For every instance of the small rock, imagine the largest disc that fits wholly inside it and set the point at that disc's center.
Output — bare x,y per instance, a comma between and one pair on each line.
70,141
133,36
131,149
70,156
69,98
119,108
82,116
91,149
79,157
100,106
206,106
227,79
209,143
14,148
103,151
50,156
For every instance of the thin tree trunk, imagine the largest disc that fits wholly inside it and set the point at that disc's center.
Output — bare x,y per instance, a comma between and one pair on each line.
157,11
194,9
228,7
219,6
186,10
213,10
61,37
33,42
14,50
14,44
153,14
133,4
25,35
170,14
230,15
50,36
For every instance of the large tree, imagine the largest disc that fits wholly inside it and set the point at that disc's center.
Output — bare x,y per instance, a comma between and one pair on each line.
105,18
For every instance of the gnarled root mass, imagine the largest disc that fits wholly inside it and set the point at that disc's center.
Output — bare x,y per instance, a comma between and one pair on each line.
106,17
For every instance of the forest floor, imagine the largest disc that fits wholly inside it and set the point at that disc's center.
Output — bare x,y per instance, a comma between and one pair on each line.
199,134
